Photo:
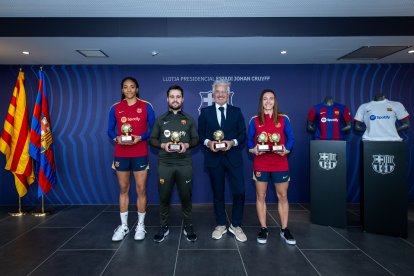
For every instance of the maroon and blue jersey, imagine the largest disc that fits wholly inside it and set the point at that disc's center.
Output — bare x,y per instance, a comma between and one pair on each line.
141,117
329,120
270,161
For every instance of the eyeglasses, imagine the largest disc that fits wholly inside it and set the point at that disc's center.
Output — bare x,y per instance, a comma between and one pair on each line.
221,91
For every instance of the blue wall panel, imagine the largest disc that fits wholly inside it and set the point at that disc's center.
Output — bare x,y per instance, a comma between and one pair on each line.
80,98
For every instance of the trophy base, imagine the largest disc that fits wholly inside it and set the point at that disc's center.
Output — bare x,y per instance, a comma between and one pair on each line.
126,139
262,148
220,146
277,148
174,147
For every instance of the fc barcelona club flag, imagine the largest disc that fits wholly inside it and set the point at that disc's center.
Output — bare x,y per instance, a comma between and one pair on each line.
14,140
41,141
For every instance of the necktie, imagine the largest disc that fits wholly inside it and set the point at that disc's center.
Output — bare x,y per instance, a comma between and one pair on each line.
223,119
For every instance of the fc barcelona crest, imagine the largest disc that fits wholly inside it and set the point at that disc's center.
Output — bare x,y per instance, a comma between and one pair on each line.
383,164
327,161
207,99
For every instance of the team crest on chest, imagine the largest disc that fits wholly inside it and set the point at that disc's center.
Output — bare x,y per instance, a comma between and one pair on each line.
336,112
123,119
167,133
139,110
183,122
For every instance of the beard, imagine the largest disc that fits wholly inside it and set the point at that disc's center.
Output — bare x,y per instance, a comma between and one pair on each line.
174,107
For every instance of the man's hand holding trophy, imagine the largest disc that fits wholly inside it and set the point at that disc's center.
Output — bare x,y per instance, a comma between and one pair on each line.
219,140
175,139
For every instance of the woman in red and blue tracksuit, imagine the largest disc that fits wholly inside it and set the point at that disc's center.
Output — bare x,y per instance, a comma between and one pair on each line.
131,155
271,165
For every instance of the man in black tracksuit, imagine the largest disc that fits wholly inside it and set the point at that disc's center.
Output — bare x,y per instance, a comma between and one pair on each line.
174,160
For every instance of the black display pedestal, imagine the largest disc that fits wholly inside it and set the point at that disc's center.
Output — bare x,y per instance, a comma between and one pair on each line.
384,195
328,182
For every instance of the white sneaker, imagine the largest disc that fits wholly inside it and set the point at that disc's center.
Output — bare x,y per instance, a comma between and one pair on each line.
120,232
140,232
238,233
218,232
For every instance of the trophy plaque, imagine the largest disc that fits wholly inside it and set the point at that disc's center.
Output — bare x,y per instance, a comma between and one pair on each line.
275,138
262,140
219,136
126,129
175,138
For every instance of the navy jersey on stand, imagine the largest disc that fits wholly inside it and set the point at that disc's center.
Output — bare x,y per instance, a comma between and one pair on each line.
329,120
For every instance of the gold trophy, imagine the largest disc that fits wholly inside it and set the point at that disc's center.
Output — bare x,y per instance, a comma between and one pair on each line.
275,138
175,138
262,140
126,129
219,136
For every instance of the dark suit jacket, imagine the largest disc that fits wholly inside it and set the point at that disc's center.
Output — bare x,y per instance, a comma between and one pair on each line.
234,128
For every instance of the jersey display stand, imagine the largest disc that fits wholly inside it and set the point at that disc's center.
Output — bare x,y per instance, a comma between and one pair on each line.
384,195
328,182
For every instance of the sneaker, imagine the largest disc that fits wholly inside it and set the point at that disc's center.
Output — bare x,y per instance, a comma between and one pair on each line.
140,232
218,232
238,233
162,233
120,232
189,233
262,236
287,236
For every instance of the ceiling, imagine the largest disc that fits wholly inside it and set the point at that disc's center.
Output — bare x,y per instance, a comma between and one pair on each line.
203,32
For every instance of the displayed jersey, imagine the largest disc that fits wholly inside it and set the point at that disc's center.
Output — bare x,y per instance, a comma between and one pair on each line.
329,120
141,117
270,161
379,118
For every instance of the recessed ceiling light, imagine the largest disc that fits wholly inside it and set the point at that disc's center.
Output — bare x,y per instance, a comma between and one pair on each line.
284,52
411,52
25,53
92,53
154,53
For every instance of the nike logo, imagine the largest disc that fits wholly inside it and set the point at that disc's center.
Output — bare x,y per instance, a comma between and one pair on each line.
120,112
166,122
286,176
188,181
142,166
323,112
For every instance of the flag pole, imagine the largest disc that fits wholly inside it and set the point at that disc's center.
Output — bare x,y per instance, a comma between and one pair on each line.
42,212
19,212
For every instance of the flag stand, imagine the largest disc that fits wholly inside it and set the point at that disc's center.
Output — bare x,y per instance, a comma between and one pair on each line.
19,212
42,212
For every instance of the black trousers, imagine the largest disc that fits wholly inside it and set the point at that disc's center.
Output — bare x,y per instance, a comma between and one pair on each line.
168,176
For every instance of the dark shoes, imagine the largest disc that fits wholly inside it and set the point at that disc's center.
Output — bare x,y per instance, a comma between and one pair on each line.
262,236
162,233
189,233
287,236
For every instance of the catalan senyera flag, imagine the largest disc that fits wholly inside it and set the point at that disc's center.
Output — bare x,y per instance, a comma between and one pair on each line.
41,141
14,141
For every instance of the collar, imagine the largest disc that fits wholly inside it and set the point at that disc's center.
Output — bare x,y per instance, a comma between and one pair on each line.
224,105
172,112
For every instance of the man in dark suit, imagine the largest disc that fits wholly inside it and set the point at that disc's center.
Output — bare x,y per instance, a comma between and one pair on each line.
224,159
